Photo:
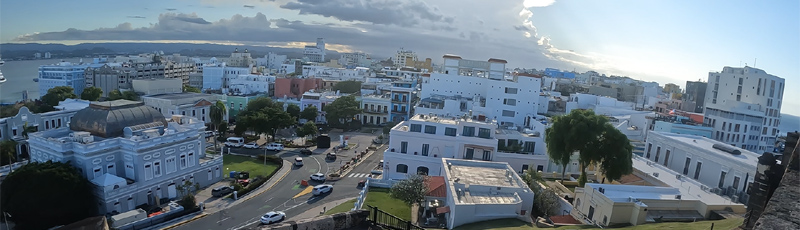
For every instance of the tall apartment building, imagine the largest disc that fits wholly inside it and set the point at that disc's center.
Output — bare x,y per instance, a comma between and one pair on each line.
694,97
64,74
240,59
352,60
482,88
214,75
271,61
401,58
744,107
315,53
403,96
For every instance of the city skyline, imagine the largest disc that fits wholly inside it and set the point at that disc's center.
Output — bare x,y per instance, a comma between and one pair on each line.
667,42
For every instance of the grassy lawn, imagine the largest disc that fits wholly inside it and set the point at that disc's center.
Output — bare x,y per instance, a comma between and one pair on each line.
243,163
515,224
344,207
379,197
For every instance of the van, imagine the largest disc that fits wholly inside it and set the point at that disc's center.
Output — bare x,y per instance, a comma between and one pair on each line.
234,142
298,161
221,191
274,147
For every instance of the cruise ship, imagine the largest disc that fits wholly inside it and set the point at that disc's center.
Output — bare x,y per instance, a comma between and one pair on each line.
2,79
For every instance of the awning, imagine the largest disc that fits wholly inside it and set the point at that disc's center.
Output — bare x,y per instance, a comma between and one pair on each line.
444,209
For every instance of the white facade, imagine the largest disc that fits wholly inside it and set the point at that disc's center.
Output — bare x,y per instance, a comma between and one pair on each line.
214,75
247,84
483,88
743,105
400,57
319,100
328,73
63,74
695,157
376,109
479,191
315,53
357,59
271,61
157,86
195,105
417,145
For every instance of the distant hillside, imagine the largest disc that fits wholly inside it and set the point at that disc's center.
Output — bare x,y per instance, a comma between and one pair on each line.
14,51
789,123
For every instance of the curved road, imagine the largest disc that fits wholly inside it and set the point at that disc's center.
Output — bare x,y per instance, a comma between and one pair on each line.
279,198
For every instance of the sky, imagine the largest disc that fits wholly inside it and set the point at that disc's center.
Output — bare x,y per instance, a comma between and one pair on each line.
658,40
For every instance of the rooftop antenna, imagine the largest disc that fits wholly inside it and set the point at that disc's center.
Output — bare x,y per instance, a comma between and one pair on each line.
754,62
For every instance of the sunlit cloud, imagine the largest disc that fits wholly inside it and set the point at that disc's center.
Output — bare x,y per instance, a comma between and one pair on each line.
537,3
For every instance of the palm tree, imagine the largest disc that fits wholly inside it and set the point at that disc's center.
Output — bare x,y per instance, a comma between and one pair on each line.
217,114
8,151
28,129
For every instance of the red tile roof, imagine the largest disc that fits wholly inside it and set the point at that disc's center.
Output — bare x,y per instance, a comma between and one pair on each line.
436,187
565,219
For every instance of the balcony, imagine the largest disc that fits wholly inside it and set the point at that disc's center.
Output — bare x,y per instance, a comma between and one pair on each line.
373,111
399,100
400,112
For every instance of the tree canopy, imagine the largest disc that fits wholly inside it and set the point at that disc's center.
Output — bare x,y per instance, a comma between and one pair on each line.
308,129
342,110
43,195
91,94
36,106
217,115
190,89
348,87
293,110
57,94
310,113
264,116
546,200
411,190
127,95
8,152
594,139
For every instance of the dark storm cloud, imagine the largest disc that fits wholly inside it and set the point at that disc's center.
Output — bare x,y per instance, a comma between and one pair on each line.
136,16
387,12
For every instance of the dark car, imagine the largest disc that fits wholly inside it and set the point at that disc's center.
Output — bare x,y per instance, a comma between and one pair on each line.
221,191
305,152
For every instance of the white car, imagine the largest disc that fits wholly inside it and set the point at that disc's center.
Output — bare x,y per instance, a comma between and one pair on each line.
273,217
318,177
320,189
274,147
251,145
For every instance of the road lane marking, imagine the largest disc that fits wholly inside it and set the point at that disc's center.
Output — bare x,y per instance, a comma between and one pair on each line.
264,207
319,166
296,187
305,191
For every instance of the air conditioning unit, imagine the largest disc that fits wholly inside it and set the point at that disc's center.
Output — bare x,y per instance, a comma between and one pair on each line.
735,198
714,190
655,174
703,187
649,163
678,176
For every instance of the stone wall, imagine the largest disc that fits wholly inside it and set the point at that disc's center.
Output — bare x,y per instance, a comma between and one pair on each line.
784,206
348,220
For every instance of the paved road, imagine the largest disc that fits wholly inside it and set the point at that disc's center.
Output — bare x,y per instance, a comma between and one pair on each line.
279,198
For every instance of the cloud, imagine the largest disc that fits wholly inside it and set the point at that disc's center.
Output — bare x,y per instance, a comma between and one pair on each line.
405,13
137,16
249,6
537,3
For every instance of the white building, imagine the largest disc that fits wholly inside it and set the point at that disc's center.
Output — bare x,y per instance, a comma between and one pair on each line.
712,163
214,75
357,59
11,128
416,145
195,105
130,159
376,109
483,88
743,105
47,55
479,191
64,74
157,86
400,57
271,61
315,53
248,84
318,100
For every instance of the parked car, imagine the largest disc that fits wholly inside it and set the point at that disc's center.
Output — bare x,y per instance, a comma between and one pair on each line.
273,217
322,189
274,147
251,145
210,134
318,177
221,191
234,142
298,161
305,152
331,156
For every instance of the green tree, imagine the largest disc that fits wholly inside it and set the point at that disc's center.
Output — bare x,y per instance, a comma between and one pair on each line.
347,87
91,94
388,127
264,116
342,111
28,129
190,89
410,191
308,129
130,95
115,95
8,152
613,152
293,110
310,113
546,199
217,115
58,94
59,189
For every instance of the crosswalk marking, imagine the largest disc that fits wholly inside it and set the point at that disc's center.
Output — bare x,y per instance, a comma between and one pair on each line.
358,175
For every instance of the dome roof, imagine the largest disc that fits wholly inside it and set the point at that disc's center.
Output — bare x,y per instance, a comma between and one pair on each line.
107,119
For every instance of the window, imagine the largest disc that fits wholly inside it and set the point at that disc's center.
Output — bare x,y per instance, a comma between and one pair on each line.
111,169
508,101
468,131
183,161
416,128
469,154
148,171
403,147
686,166
529,147
741,80
157,168
484,133
450,132
171,167
508,113
401,168
191,159
658,153
97,171
422,170
736,182
649,147
666,158
194,112
697,170
487,155
430,129
511,90
425,149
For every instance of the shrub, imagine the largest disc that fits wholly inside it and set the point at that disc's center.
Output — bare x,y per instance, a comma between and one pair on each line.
188,202
271,158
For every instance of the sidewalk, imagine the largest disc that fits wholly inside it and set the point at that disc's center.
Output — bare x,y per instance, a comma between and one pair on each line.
320,209
213,205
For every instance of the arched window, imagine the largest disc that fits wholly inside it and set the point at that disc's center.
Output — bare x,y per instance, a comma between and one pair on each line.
578,202
422,170
401,168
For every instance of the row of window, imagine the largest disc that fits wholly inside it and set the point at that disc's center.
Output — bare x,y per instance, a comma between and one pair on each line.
467,131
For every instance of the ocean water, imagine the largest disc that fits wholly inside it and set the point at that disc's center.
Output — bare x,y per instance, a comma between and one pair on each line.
20,75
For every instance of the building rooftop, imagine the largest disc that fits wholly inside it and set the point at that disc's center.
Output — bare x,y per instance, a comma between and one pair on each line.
108,119
689,188
481,182
72,104
482,175
705,144
178,96
630,193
